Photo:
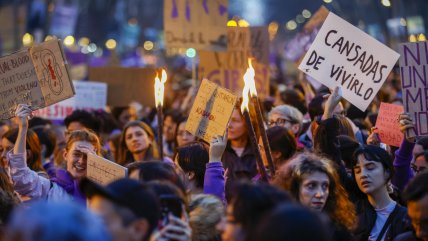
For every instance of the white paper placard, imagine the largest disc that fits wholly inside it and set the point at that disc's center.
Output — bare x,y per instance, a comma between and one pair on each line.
343,55
103,171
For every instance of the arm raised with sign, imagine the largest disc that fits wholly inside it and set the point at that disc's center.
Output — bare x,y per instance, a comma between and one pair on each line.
26,181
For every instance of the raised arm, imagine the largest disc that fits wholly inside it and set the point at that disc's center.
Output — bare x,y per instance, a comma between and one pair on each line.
404,156
26,181
214,182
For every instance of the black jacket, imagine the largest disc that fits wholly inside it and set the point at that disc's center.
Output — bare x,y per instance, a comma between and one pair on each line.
367,218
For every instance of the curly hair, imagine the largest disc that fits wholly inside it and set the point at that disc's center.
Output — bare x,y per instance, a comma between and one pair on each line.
338,206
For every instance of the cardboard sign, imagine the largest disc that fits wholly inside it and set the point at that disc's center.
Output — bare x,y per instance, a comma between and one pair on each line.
388,127
103,171
195,24
343,55
211,111
248,42
37,76
126,84
296,48
414,76
222,69
89,96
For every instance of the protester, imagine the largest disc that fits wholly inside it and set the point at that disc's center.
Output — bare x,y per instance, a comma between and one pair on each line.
379,216
286,116
81,119
416,195
290,222
192,159
170,124
314,183
238,157
183,137
205,213
137,143
420,165
32,148
247,207
43,221
282,144
63,184
129,209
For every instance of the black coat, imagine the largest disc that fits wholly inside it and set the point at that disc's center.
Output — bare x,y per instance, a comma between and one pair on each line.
367,218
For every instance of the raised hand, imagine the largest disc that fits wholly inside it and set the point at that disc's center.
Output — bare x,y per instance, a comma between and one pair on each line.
176,229
333,100
217,147
373,138
406,123
23,112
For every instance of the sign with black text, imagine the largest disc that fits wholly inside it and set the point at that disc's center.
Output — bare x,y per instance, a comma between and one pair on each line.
343,55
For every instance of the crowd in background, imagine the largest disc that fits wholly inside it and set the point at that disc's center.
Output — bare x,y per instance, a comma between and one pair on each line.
334,179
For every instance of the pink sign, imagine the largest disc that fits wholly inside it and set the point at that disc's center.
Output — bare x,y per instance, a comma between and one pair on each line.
388,125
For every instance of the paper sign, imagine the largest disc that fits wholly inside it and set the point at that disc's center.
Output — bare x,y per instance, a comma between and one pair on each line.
103,171
211,111
221,69
195,24
246,42
343,55
388,127
89,96
414,76
37,76
126,84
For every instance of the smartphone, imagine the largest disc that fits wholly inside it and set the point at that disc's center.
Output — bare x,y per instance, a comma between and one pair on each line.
170,204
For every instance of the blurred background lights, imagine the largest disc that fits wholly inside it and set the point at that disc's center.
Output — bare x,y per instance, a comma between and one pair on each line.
191,52
291,25
111,44
84,41
69,41
148,45
306,13
243,23
386,3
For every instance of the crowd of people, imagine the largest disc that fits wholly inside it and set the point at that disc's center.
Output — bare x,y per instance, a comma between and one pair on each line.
332,177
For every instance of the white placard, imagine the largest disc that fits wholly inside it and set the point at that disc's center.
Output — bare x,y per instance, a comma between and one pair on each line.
90,96
343,55
103,171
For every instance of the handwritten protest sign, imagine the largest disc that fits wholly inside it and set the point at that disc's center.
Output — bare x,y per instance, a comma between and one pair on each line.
195,24
343,55
126,84
388,127
221,68
211,111
414,76
90,95
37,76
103,171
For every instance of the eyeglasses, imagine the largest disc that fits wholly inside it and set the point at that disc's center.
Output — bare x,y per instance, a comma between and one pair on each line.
417,169
280,122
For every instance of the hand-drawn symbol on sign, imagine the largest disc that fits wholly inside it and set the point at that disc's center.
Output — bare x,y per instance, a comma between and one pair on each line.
51,71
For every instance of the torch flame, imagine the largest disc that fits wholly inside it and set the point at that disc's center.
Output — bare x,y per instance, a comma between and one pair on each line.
249,78
160,88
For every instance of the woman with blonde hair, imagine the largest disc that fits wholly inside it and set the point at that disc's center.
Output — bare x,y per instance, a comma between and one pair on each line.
314,183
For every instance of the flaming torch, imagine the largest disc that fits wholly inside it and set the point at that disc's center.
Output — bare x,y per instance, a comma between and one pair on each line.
251,133
159,92
249,79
